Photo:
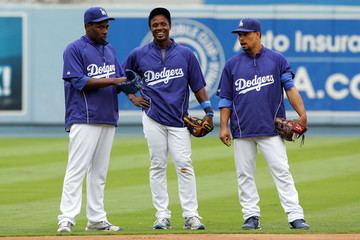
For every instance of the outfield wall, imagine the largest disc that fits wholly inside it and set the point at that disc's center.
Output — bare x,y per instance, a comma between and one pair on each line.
322,43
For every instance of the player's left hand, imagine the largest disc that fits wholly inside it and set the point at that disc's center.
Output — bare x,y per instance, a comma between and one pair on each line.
209,119
302,120
139,101
133,83
198,127
290,130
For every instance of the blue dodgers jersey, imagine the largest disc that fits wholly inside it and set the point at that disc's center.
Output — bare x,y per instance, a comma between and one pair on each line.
253,85
99,106
166,82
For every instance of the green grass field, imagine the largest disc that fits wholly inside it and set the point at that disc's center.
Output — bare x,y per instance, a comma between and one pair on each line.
326,172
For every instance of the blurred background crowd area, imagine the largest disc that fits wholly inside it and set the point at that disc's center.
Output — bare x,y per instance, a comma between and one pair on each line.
164,2
188,2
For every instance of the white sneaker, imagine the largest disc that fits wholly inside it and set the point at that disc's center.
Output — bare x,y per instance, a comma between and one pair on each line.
193,223
65,227
102,226
162,223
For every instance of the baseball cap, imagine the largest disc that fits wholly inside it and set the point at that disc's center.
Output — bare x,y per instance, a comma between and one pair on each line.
160,11
96,14
248,25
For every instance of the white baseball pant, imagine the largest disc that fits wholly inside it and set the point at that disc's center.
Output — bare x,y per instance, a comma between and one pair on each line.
89,154
162,139
274,151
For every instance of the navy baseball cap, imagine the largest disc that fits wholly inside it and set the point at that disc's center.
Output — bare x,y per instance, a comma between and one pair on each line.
248,25
160,11
96,14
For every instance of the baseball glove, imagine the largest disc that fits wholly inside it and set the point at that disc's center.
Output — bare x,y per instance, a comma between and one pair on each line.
133,84
197,127
290,130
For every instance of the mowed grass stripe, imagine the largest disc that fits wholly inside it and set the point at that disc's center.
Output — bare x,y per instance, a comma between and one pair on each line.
321,142
302,170
133,160
30,191
28,147
330,192
30,151
318,195
44,172
35,156
52,160
18,146
337,217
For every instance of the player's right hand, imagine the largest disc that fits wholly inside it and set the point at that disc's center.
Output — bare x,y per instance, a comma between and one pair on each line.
225,137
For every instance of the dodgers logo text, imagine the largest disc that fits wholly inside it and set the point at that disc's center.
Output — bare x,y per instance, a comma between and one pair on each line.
243,86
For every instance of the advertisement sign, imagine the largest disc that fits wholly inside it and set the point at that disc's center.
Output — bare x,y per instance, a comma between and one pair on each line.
323,53
11,64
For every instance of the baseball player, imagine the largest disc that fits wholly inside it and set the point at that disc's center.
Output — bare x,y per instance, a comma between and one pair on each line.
168,70
91,74
251,96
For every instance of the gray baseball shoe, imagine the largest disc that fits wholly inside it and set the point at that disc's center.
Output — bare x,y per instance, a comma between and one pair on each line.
65,227
299,224
193,223
162,223
102,226
252,223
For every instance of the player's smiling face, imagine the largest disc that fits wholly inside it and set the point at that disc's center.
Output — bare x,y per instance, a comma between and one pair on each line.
160,28
250,41
98,31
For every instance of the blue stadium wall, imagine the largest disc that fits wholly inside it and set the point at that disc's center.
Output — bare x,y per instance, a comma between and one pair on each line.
321,42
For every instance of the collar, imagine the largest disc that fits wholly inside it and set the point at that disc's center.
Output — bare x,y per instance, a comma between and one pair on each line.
88,40
157,46
262,50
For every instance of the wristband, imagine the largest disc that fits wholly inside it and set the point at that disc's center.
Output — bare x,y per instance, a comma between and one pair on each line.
205,104
211,114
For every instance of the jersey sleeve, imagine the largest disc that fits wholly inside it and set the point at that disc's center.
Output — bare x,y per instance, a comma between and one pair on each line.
196,77
130,62
73,66
119,69
225,88
287,75
79,83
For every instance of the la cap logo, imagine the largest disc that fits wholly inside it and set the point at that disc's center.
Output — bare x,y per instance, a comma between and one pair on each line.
241,23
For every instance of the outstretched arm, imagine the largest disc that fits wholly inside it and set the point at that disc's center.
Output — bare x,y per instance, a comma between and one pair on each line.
95,83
